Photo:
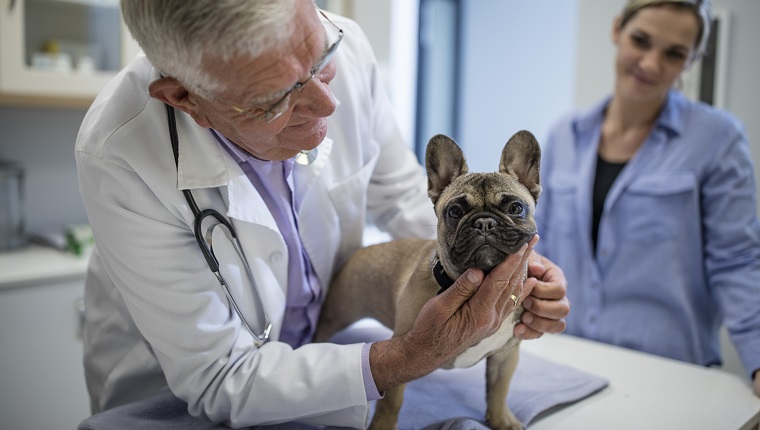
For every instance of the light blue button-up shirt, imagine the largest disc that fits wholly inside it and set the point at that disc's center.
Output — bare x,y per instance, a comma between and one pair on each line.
678,251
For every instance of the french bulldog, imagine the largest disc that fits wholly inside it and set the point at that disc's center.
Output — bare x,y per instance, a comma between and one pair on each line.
482,218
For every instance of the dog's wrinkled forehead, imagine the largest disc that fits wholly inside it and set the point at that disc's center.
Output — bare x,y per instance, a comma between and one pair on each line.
485,190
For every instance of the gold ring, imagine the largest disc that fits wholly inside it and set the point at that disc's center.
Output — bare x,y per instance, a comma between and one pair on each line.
515,299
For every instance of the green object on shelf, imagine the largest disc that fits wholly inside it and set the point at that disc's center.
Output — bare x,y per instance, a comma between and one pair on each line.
79,240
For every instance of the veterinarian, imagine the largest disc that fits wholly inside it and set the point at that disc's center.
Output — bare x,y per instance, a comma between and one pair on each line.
649,202
241,156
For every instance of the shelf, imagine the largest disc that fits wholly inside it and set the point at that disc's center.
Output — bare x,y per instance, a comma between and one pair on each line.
86,3
60,53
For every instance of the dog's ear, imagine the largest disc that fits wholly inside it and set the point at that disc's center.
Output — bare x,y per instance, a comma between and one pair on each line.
521,158
444,161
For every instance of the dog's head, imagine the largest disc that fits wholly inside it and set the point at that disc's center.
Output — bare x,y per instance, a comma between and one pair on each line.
483,217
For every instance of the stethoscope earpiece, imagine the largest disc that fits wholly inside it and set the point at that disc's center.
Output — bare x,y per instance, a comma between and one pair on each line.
305,158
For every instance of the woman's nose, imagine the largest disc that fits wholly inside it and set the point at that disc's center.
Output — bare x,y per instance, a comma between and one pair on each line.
651,61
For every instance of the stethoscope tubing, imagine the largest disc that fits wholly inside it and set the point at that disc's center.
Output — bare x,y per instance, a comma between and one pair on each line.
211,260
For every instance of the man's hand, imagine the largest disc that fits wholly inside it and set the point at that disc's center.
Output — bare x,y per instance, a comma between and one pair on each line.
547,306
472,309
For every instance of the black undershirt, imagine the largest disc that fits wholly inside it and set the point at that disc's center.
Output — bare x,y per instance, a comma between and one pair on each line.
606,173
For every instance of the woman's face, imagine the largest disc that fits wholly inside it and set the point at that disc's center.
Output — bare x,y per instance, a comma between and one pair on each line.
653,48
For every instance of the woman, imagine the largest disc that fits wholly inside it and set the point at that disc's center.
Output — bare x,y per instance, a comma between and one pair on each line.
649,203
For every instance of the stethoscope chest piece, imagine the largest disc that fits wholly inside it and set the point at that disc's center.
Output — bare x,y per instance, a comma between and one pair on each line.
305,158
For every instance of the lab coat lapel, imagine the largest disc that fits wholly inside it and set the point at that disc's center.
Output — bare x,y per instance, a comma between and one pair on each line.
262,244
203,163
304,176
320,215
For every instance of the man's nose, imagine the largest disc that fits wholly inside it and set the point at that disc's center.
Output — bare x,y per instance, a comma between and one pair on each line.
316,98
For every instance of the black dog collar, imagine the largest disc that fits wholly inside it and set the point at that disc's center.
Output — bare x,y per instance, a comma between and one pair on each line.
441,277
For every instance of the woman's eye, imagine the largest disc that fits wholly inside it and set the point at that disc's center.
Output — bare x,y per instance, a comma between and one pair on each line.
455,212
640,41
676,55
516,208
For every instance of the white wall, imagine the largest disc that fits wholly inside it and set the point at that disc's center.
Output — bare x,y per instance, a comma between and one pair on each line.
391,27
518,65
42,140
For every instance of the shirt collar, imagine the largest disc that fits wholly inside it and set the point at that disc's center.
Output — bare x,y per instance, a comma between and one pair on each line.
235,151
671,118
241,157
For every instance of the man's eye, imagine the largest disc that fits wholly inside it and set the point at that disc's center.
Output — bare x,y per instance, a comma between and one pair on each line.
258,111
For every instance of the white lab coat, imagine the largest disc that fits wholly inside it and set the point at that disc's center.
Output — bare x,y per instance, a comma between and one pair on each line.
156,315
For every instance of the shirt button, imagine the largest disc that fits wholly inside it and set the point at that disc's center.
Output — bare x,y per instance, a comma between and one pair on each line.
605,252
275,257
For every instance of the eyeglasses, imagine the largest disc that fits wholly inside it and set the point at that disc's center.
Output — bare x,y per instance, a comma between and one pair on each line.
272,112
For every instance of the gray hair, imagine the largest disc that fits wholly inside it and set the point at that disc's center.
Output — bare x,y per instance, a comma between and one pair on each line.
178,35
701,9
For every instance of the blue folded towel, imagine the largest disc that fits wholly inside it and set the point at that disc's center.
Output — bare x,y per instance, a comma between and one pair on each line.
443,400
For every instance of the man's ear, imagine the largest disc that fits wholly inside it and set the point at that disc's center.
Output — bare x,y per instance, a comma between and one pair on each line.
173,93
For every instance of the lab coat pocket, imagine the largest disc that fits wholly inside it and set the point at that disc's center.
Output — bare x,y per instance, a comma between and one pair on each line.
659,206
250,284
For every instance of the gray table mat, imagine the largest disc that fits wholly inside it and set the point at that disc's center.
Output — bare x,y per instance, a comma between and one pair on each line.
443,400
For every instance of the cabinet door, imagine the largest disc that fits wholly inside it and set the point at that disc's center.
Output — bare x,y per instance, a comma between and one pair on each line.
60,52
42,382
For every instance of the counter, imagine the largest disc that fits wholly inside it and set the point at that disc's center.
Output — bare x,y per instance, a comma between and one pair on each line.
42,384
646,391
35,264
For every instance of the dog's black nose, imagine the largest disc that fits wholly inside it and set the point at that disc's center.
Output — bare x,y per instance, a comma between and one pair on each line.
485,224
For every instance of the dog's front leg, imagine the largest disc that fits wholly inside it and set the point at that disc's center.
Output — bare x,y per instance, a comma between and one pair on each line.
499,370
387,409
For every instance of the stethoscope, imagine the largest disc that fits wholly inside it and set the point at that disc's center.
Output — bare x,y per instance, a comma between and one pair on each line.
205,243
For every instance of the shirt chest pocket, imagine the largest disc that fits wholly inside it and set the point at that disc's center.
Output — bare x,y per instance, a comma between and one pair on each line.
660,206
560,215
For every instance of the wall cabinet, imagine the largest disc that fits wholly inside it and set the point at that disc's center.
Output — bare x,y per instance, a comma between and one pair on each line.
60,52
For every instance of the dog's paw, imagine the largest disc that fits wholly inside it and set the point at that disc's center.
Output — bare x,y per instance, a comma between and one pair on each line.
504,421
383,425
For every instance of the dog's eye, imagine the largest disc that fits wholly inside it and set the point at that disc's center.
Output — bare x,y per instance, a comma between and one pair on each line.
455,212
516,208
